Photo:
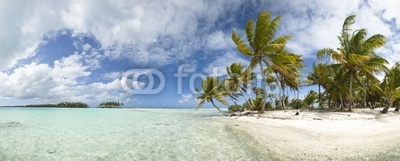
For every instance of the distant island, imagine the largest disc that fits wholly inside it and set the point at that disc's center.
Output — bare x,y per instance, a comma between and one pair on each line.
62,105
73,105
111,105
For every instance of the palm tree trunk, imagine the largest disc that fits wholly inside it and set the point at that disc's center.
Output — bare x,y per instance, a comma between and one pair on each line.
266,85
397,107
283,94
294,94
223,113
365,94
385,110
278,85
365,100
250,100
341,100
319,95
233,100
351,92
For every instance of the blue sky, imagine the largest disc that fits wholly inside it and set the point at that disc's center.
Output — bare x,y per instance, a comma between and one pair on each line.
79,50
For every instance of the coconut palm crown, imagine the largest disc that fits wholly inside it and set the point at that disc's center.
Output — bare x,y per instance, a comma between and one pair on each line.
356,54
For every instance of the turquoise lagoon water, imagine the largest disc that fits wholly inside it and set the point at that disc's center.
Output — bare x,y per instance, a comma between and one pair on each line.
122,134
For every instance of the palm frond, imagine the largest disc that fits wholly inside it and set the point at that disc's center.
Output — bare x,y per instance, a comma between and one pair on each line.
200,104
325,53
250,32
261,31
241,46
272,28
372,43
348,22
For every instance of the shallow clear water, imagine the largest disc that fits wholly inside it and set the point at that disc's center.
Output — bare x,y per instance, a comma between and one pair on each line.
121,134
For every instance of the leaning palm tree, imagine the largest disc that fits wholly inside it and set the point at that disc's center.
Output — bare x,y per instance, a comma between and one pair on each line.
263,44
211,90
354,53
239,80
287,72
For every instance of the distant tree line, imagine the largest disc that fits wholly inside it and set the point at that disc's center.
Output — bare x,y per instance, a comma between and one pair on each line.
111,105
62,104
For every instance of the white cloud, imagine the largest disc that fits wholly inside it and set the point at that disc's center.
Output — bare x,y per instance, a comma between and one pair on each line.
218,66
316,24
185,98
161,32
138,84
29,81
112,75
219,41
169,30
58,83
86,47
67,70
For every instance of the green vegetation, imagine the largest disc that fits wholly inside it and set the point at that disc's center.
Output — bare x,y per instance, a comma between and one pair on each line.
213,89
62,105
311,99
356,57
111,105
269,54
391,87
297,104
346,77
279,68
235,108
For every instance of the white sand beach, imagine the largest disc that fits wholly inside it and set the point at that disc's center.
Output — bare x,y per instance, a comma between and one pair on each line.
314,135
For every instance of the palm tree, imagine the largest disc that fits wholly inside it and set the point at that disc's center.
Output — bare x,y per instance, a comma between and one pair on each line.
263,46
287,72
310,99
319,76
239,80
391,86
211,90
355,53
370,86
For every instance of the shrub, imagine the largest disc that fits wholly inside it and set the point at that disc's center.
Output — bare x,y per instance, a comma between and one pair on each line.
235,108
297,104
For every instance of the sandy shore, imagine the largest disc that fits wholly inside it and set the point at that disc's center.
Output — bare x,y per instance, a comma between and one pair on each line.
314,135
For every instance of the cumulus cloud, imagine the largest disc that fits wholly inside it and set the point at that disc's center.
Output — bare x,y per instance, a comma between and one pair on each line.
218,40
218,66
58,83
86,47
316,24
160,32
185,98
148,33
112,75
67,70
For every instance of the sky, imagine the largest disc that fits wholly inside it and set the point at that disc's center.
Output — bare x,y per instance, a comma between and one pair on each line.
70,50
